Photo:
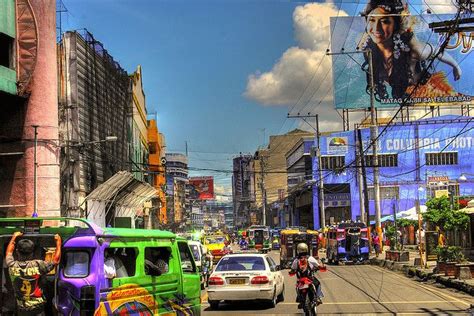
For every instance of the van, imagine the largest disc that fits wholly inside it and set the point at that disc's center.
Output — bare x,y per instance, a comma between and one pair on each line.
154,271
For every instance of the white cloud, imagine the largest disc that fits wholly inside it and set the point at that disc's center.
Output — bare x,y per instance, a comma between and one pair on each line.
285,83
439,6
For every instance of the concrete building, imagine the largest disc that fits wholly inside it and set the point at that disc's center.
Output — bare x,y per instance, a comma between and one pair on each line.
177,178
298,208
138,127
157,160
271,175
243,190
95,102
417,159
28,94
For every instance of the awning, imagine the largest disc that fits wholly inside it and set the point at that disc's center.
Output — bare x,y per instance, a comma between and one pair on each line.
123,189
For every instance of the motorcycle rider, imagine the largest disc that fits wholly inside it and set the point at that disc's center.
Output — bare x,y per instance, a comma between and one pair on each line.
243,243
306,266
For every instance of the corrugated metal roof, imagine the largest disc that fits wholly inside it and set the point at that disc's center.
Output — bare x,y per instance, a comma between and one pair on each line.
124,190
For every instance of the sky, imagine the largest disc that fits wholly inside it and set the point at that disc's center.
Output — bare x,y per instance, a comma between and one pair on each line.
222,75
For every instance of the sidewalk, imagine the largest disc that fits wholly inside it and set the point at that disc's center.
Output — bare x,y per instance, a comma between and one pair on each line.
427,273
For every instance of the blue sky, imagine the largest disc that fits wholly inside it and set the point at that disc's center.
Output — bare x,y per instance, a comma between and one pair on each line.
219,72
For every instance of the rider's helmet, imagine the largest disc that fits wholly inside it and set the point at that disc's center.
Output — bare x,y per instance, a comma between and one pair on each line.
302,249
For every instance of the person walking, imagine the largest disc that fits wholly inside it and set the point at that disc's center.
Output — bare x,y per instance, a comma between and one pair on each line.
376,243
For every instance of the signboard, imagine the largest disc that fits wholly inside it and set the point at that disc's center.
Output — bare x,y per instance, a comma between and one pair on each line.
337,145
440,193
201,188
431,244
397,72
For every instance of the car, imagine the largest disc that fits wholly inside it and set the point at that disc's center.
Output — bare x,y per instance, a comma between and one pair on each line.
244,277
203,260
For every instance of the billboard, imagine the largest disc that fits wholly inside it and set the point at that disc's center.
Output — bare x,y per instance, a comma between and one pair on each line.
401,47
201,188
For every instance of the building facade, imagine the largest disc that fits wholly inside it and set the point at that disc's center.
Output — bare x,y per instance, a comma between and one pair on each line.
177,180
417,160
138,127
298,210
28,94
95,104
271,177
243,190
157,161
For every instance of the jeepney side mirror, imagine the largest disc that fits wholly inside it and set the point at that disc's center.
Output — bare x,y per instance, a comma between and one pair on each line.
277,267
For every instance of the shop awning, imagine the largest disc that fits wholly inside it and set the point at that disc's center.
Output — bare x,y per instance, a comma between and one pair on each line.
123,189
470,208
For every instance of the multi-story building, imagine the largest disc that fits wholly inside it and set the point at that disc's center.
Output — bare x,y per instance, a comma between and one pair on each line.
177,177
156,145
95,102
28,94
271,175
298,208
243,189
417,160
138,127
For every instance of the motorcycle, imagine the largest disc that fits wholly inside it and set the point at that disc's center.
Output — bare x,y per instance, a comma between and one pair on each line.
244,246
307,294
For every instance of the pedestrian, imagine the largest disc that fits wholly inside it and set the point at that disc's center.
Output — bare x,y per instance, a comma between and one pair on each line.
26,274
376,242
400,237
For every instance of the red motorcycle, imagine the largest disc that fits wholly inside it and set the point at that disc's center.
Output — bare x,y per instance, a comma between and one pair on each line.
306,291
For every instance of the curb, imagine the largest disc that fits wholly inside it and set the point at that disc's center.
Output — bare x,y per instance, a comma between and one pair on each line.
423,274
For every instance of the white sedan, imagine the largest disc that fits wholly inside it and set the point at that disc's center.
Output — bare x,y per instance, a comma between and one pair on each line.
246,276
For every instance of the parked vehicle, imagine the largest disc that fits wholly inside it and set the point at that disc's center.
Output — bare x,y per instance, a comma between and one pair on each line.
247,276
259,238
347,242
199,254
290,238
81,284
275,239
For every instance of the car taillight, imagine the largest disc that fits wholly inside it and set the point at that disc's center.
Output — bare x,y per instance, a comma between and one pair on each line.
216,281
260,280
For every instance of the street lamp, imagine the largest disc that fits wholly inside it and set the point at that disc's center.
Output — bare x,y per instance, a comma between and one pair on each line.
108,139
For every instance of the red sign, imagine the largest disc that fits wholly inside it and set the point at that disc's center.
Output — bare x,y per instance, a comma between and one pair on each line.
201,188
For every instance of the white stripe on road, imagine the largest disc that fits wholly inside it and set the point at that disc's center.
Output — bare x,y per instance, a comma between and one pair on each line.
371,302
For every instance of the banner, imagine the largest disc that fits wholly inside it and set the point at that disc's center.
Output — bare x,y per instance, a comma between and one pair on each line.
201,188
401,46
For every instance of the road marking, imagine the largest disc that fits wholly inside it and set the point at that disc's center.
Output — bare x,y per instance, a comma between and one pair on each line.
376,302
426,288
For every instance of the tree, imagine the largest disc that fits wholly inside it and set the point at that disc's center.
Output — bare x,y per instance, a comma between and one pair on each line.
439,212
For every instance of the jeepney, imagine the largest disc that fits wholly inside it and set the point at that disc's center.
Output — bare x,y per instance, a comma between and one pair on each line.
80,286
289,240
259,238
348,242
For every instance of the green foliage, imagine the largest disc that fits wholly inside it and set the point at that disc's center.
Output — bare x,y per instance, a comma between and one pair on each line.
404,222
449,254
391,234
439,212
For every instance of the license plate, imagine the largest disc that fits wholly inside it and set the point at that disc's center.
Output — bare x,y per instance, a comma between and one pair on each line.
237,281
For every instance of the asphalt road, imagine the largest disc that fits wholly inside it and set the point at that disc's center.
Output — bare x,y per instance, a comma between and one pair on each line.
361,289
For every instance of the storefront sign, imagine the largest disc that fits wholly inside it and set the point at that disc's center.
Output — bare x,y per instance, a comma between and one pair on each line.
337,145
440,193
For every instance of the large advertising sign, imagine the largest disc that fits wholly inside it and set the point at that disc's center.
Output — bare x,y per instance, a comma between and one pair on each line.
201,188
402,47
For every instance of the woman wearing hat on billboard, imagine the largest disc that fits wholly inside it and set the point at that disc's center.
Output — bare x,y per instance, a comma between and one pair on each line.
399,59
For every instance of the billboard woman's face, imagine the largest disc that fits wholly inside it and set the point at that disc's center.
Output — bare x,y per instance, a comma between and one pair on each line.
380,25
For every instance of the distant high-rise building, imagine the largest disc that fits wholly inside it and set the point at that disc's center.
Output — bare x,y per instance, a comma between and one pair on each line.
243,189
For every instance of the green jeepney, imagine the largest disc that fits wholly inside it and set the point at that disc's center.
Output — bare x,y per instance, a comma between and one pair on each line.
81,285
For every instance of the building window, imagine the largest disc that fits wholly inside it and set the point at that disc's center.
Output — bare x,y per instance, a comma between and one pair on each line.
386,193
333,162
6,48
384,160
445,158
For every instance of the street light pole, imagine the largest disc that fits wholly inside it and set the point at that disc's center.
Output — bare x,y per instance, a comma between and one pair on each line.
35,177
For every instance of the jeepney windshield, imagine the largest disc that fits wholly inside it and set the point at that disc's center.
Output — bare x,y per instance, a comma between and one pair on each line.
76,263
215,240
195,251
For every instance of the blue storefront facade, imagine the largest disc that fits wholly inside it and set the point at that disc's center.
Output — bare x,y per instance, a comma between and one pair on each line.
418,159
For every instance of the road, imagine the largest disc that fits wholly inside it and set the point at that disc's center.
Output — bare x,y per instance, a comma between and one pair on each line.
361,289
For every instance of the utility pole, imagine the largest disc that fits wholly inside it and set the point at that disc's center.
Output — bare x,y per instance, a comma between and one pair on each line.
262,187
322,210
364,177
373,138
35,176
360,177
